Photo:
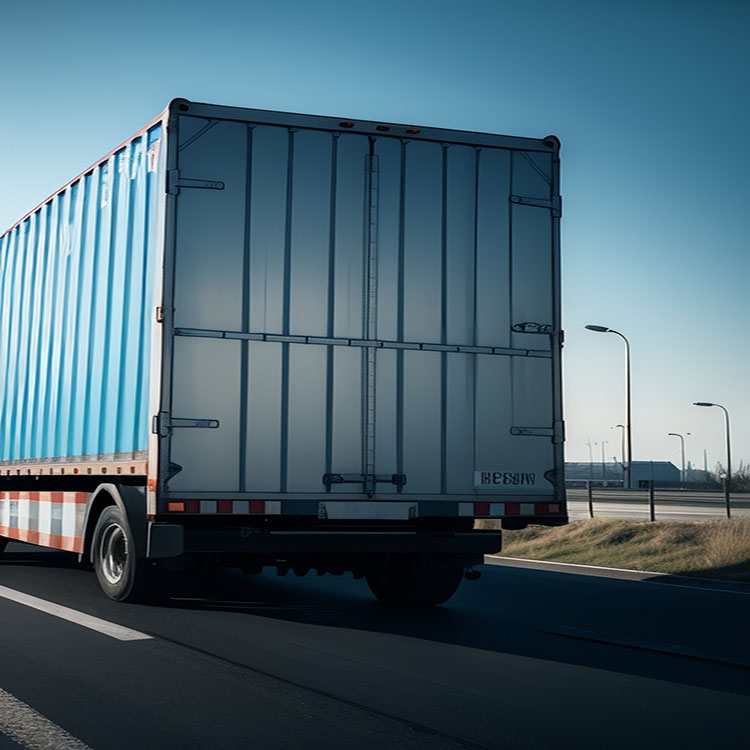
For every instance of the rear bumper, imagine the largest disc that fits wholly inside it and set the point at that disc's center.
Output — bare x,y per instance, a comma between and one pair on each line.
171,540
395,508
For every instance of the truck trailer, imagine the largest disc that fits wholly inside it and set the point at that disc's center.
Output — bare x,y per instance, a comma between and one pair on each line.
247,338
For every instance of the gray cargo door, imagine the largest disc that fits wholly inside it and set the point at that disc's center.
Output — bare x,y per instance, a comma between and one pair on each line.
268,270
355,313
466,285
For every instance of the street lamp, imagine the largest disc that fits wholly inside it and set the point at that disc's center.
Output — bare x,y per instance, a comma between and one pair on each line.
682,446
729,451
622,442
604,329
604,467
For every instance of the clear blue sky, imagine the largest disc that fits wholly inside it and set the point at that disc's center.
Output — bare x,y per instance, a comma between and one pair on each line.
650,99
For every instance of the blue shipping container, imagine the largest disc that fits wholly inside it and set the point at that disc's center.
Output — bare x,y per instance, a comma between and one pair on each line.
77,279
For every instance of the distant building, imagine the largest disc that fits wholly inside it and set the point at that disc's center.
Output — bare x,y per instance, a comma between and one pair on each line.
583,470
664,473
697,475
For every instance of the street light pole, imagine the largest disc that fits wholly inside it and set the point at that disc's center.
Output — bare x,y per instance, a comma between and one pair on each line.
604,329
622,443
591,458
729,452
682,447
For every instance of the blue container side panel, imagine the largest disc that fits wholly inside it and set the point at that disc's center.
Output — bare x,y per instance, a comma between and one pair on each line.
76,304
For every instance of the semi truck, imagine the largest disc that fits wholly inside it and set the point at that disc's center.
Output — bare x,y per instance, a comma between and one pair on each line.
247,338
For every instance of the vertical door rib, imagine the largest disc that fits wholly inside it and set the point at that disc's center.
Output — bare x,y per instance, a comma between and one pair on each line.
400,318
245,345
284,458
371,324
444,322
331,307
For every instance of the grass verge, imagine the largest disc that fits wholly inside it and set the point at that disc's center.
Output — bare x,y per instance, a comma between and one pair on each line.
705,549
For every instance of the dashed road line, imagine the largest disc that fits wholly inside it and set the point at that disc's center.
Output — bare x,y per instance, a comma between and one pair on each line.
73,615
28,728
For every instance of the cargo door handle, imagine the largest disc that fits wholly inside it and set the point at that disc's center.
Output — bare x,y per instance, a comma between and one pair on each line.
175,182
162,424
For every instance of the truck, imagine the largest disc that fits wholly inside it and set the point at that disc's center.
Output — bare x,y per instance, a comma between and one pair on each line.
247,338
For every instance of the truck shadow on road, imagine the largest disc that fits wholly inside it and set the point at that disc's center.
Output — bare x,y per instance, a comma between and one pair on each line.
40,557
631,627
590,622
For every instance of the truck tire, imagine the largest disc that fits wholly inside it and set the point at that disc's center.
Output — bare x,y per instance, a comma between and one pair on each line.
122,575
415,584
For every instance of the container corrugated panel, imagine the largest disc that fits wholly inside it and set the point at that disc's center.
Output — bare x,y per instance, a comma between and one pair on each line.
77,284
362,304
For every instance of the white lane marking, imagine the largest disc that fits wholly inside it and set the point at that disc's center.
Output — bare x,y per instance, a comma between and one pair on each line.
72,615
31,730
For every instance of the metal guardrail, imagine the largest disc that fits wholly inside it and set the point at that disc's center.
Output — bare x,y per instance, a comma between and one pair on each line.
649,493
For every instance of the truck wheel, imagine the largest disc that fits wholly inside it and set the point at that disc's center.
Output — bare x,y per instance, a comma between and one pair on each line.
414,585
121,574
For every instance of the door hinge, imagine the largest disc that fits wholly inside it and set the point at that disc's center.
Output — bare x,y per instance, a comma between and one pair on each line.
529,327
533,431
554,203
162,424
558,429
175,182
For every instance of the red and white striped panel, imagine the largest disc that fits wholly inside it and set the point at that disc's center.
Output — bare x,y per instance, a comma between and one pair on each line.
507,509
236,507
51,519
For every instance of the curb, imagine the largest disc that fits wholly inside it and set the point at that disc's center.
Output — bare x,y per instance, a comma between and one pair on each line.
624,574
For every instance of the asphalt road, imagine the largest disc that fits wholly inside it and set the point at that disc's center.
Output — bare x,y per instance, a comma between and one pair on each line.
671,505
522,658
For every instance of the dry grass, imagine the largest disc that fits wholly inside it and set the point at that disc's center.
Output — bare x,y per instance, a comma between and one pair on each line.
708,549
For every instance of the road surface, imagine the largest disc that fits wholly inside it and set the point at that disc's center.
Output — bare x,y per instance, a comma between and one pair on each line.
522,658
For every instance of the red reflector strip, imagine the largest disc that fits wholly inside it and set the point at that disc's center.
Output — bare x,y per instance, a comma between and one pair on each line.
541,509
229,506
481,509
512,509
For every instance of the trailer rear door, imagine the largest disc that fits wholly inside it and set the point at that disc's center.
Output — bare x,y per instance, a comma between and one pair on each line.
359,314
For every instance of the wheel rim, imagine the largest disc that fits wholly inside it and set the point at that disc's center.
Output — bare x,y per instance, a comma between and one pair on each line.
113,553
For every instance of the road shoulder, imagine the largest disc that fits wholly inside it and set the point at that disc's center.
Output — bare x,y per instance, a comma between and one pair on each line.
624,574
